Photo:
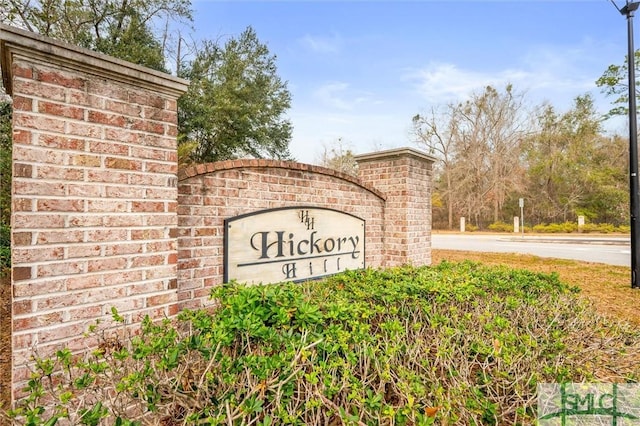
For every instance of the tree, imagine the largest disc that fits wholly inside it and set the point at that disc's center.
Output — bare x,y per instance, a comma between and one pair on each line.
135,43
339,157
235,103
573,169
121,28
439,140
493,127
614,82
479,144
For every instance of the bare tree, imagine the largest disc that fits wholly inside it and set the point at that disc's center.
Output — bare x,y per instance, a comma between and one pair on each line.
339,157
479,145
493,126
439,140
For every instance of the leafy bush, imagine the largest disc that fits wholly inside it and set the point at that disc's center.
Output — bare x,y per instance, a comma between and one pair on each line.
469,227
556,228
624,229
501,227
5,248
604,228
455,343
570,227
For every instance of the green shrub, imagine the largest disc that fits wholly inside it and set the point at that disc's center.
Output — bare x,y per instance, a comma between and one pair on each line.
571,227
624,229
453,344
601,228
5,248
501,227
556,228
469,227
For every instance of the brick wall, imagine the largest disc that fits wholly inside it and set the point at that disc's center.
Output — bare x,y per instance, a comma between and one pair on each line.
94,192
100,218
405,177
210,193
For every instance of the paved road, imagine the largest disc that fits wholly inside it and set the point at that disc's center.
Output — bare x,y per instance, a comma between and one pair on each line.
610,250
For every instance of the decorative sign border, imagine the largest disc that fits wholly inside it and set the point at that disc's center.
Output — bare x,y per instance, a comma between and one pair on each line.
292,244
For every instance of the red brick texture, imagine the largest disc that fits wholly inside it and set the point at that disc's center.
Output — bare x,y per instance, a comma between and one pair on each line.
210,193
93,194
405,177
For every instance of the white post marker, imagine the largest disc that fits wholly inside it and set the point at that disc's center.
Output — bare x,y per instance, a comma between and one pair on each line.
521,204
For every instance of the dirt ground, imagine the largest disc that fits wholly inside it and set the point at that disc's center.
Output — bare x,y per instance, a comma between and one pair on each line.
608,287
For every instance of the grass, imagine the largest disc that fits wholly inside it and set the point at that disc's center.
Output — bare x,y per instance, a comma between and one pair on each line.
606,287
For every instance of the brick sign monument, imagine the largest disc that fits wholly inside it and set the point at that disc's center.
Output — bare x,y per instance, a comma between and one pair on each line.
102,217
292,244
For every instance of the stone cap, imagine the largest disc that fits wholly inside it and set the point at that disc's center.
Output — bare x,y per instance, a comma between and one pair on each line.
15,41
396,152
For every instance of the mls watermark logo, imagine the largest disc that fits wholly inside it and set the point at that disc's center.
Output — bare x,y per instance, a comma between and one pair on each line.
579,404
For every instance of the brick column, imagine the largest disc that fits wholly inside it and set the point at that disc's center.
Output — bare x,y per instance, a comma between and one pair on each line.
405,176
94,192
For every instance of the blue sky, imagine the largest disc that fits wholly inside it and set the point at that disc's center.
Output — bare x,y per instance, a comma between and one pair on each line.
360,70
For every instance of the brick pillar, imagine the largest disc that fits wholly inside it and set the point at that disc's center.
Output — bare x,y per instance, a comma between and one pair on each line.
405,176
94,222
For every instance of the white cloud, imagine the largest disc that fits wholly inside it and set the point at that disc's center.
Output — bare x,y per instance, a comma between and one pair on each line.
319,44
339,95
442,82
546,73
368,120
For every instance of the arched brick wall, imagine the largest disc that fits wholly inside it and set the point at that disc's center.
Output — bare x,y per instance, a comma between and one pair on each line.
210,193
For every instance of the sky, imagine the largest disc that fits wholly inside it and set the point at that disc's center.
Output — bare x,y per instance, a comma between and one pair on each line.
358,71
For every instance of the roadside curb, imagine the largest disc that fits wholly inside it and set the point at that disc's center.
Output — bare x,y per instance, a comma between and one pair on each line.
572,240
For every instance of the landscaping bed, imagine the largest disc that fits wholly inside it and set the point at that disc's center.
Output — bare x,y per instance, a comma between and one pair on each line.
456,343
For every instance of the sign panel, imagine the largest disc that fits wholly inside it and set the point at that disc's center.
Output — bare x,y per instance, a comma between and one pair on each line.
292,244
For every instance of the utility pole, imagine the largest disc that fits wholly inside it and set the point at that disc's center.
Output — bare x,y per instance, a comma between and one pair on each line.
627,11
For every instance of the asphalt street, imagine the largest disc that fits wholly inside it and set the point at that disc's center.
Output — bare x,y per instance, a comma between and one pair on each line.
602,249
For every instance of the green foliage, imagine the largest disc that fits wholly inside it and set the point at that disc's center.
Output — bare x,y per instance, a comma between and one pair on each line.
236,102
624,229
564,228
574,170
5,248
5,185
5,162
501,227
135,43
572,227
120,28
614,83
563,162
556,228
452,344
470,227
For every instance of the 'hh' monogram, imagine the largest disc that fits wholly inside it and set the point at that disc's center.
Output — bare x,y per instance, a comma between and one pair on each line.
306,219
